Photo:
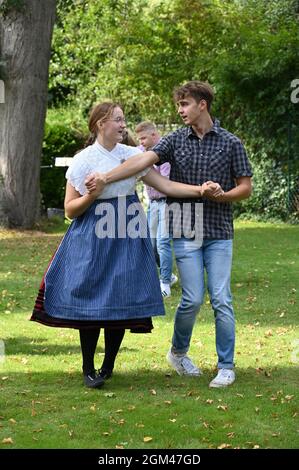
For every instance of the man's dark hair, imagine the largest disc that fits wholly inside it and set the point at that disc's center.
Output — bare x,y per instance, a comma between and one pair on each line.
197,90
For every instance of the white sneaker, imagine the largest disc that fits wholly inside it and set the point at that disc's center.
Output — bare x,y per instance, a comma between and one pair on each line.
183,364
165,289
224,378
173,279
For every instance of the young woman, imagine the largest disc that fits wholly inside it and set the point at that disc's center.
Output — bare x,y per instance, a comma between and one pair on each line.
103,274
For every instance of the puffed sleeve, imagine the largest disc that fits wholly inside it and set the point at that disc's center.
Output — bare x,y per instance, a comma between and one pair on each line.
78,171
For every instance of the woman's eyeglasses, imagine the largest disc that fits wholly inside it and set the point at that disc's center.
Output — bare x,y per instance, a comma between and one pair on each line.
118,119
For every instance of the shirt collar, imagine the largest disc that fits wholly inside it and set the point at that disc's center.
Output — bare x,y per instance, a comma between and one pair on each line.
215,128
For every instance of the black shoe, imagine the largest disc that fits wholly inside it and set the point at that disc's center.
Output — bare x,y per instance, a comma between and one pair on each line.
93,380
105,373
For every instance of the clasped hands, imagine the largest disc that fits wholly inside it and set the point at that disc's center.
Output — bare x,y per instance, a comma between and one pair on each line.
211,190
96,182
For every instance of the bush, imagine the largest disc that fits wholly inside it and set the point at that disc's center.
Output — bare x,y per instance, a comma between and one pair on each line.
269,199
65,133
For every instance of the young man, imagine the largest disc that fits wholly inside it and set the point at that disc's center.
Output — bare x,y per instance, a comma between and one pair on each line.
201,153
148,137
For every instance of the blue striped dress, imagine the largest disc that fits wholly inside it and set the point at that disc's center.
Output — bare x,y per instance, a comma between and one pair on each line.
103,272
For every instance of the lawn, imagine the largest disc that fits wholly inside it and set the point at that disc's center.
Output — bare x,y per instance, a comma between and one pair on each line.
43,403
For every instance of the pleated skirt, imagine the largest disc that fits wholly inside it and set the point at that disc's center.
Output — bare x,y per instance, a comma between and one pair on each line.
103,273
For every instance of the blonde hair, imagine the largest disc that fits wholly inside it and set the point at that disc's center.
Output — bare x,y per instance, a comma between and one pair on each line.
146,126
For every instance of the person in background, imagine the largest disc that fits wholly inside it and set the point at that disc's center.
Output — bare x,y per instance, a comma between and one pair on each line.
148,137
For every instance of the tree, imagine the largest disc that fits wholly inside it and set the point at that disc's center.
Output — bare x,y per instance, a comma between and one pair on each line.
25,42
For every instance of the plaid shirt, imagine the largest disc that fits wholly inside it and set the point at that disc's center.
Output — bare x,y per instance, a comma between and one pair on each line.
220,157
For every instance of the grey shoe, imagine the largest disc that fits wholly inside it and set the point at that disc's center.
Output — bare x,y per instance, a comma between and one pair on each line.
182,364
224,378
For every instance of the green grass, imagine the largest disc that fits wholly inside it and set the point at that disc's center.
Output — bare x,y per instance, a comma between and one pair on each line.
43,403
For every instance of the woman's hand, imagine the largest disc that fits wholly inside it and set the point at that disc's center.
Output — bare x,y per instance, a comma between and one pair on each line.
95,183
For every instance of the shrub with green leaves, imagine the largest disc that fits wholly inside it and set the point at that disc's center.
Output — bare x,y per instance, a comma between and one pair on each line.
65,133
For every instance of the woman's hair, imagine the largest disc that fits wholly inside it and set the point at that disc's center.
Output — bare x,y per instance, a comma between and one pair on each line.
129,139
101,112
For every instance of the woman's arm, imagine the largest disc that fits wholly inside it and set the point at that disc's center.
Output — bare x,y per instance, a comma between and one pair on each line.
171,188
75,204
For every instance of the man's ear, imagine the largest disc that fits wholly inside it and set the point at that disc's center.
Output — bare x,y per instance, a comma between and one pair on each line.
202,104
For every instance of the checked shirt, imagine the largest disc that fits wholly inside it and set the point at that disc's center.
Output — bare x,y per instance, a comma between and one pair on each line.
220,157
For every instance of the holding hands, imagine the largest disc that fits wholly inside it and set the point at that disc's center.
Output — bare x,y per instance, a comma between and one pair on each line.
95,183
211,190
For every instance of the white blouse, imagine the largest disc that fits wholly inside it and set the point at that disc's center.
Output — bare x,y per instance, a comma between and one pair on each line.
95,158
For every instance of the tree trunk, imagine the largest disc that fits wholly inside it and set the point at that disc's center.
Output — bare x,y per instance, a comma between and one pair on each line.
25,44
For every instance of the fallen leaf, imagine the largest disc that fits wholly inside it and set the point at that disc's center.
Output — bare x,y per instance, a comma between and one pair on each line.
167,402
7,440
268,333
173,420
222,407
224,446
209,401
109,395
147,439
153,392
12,421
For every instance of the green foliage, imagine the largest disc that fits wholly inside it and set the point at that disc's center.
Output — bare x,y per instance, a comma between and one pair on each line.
135,52
269,198
65,134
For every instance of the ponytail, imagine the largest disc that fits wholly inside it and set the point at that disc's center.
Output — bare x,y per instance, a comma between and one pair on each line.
91,139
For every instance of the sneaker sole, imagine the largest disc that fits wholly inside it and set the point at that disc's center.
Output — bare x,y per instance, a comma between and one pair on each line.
220,385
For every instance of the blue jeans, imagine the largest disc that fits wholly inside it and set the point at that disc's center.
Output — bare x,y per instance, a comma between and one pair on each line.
192,257
160,240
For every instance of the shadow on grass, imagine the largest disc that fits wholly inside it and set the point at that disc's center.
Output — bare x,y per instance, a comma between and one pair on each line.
41,347
248,380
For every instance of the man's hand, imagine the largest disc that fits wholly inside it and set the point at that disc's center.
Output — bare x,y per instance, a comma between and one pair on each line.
211,190
95,183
